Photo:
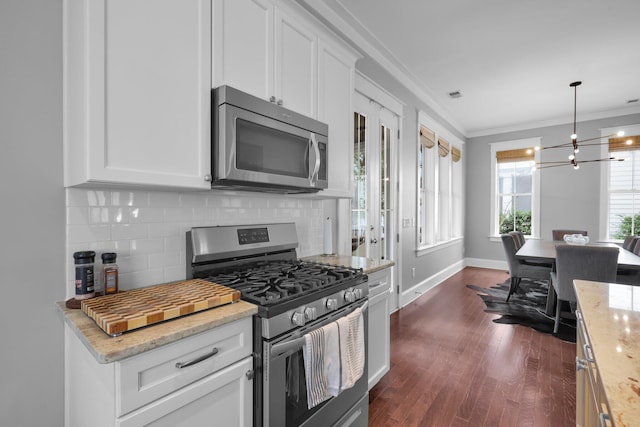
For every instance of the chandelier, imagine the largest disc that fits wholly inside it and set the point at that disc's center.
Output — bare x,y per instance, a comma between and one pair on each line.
574,144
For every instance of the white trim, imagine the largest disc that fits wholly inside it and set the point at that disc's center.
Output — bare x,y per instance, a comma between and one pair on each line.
409,295
554,122
535,210
378,53
377,93
425,250
486,263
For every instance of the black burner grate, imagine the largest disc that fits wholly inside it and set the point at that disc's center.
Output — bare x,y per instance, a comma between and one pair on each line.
273,282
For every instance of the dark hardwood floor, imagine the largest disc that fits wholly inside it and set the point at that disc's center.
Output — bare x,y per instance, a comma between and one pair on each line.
452,366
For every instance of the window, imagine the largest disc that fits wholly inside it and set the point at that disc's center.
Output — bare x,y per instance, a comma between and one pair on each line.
440,185
623,185
514,187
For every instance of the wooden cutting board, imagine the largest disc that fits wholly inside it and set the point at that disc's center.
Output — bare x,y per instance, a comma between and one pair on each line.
137,308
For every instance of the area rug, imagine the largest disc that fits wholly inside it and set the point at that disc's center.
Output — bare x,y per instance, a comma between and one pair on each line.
525,307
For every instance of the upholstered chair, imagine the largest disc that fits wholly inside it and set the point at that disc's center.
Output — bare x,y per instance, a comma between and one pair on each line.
581,262
518,236
519,268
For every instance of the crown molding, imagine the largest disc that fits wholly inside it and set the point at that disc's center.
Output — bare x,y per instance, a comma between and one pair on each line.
335,16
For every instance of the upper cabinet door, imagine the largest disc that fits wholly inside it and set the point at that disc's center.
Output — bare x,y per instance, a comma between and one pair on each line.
243,46
335,94
137,92
296,65
263,50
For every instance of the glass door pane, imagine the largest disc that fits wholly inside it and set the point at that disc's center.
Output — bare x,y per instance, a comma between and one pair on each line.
359,199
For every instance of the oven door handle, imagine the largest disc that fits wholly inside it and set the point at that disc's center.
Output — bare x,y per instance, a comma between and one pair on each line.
295,343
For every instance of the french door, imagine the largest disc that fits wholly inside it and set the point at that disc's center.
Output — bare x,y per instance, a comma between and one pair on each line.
375,146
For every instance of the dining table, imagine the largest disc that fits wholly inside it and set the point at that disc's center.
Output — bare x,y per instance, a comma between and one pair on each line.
545,250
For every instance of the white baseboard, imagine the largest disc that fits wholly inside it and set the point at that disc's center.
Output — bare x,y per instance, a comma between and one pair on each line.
407,296
486,263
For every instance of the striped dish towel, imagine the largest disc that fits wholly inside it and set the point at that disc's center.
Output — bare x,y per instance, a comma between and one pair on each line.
352,358
322,364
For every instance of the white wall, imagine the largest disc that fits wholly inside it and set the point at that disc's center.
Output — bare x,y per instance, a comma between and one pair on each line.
32,213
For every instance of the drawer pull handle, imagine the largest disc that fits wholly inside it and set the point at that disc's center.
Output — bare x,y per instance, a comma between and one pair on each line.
213,352
603,419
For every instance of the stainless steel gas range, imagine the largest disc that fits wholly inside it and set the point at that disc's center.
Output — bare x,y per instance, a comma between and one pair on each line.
294,297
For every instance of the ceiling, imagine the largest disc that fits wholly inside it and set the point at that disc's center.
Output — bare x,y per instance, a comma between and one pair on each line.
512,61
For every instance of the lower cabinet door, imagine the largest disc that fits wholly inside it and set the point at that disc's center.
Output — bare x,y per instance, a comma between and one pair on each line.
379,338
224,398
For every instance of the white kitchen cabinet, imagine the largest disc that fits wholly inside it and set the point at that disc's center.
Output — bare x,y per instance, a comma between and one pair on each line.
264,50
335,95
379,325
591,402
150,389
137,82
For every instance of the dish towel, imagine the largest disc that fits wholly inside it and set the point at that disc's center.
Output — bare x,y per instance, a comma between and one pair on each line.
351,330
322,364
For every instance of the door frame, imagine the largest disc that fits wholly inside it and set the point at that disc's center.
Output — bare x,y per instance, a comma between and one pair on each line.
366,87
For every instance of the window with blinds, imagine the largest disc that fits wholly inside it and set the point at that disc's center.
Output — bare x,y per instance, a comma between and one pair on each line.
624,188
439,187
514,189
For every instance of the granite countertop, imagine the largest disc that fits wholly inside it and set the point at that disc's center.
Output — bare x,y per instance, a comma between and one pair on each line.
107,349
367,265
611,314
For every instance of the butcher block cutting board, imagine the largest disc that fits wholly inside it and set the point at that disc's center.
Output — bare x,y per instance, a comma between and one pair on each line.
129,310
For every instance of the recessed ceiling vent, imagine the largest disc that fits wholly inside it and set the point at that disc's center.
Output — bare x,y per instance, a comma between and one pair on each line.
455,94
632,101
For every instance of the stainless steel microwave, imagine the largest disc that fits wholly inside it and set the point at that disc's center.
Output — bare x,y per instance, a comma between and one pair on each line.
261,146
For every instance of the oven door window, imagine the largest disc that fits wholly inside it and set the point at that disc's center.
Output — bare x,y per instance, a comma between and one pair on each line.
297,410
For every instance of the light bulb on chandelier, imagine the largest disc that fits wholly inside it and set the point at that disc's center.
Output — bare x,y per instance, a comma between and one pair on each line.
575,144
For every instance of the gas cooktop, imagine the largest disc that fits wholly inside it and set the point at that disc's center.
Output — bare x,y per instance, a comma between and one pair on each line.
274,282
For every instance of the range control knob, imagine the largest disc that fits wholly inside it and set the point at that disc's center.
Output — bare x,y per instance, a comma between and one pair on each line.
349,296
332,304
310,313
298,319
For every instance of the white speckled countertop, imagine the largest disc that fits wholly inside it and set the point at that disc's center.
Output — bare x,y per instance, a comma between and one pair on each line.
367,265
611,314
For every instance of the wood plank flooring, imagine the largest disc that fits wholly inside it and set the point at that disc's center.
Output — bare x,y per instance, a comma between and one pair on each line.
452,366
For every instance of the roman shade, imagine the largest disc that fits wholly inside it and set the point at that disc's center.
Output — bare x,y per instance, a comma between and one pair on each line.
443,147
518,155
455,153
427,137
620,144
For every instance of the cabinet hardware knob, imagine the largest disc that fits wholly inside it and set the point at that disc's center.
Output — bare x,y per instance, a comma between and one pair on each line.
272,98
581,364
279,102
207,178
212,353
250,375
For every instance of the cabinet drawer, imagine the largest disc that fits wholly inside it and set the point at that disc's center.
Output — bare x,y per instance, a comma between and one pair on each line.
151,375
379,282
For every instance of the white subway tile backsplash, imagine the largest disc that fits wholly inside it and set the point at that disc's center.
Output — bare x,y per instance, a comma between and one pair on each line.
164,200
129,231
147,229
146,246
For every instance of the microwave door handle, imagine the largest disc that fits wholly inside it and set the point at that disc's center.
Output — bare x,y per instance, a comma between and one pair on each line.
316,167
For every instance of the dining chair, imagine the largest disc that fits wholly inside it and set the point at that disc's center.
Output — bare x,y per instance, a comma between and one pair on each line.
519,268
518,236
630,242
580,262
559,234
